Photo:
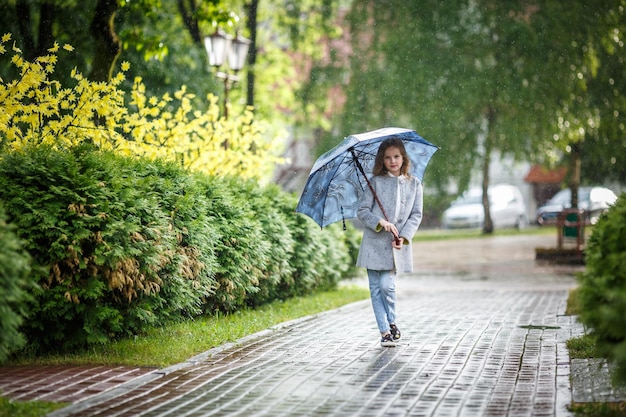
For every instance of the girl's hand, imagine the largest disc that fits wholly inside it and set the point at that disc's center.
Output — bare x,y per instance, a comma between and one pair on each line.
389,227
397,243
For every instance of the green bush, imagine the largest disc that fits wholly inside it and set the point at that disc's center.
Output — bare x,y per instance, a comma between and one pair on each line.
102,245
322,258
603,286
241,250
190,280
14,269
272,208
119,244
305,257
264,247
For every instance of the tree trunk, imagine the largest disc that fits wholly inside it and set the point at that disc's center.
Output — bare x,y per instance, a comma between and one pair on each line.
24,22
107,44
45,40
489,139
574,179
488,223
252,10
187,11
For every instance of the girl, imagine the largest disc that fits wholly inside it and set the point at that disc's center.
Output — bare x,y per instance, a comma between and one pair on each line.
384,254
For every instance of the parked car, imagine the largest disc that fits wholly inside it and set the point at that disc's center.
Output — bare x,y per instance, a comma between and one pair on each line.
506,206
594,200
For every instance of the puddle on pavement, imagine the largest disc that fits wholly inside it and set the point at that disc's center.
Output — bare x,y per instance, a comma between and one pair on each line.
469,276
539,327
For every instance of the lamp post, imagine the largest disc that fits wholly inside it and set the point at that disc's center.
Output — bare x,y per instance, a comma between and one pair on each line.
222,47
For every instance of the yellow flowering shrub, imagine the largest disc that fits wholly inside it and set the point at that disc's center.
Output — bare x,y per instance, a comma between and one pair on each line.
37,110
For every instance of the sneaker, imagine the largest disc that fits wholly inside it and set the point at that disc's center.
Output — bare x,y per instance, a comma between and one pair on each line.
387,341
395,332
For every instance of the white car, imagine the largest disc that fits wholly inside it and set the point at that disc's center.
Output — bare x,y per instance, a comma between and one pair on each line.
506,206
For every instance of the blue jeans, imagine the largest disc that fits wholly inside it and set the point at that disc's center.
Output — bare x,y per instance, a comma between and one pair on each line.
383,294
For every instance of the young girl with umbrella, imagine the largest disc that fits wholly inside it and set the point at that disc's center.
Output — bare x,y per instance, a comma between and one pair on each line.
393,205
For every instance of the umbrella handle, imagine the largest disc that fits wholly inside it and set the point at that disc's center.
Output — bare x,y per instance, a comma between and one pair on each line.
396,238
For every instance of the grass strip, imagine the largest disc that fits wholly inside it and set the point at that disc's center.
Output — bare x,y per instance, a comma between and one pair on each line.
425,235
177,342
11,408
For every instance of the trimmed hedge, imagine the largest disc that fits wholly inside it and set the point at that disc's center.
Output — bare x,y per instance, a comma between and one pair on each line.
14,270
603,286
118,244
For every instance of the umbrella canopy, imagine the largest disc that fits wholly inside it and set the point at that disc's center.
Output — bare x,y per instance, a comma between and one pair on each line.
336,183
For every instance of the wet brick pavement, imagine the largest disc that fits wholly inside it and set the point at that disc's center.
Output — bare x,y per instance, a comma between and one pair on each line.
64,384
591,382
484,334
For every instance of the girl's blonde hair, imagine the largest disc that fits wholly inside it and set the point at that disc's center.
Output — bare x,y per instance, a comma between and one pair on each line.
392,142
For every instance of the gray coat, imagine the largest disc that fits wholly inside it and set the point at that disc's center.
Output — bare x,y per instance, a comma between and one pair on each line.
376,251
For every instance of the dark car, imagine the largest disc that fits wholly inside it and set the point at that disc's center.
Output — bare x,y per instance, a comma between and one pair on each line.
593,200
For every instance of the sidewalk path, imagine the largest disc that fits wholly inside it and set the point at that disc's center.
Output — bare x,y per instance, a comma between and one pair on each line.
483,330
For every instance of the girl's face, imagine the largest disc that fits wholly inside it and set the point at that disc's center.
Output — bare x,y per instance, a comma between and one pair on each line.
393,160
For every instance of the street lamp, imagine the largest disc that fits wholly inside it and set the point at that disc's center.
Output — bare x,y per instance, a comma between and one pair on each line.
222,47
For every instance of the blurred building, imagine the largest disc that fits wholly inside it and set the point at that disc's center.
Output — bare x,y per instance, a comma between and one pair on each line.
545,182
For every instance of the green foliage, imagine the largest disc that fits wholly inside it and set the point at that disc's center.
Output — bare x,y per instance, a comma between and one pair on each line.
603,286
583,347
271,207
10,408
573,303
599,409
38,110
265,251
242,252
121,244
118,244
525,80
163,42
321,258
102,246
593,109
14,269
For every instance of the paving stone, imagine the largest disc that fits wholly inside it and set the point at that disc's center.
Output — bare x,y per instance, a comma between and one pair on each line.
591,382
63,383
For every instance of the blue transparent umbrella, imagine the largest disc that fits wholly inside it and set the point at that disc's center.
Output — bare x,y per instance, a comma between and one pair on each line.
340,176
